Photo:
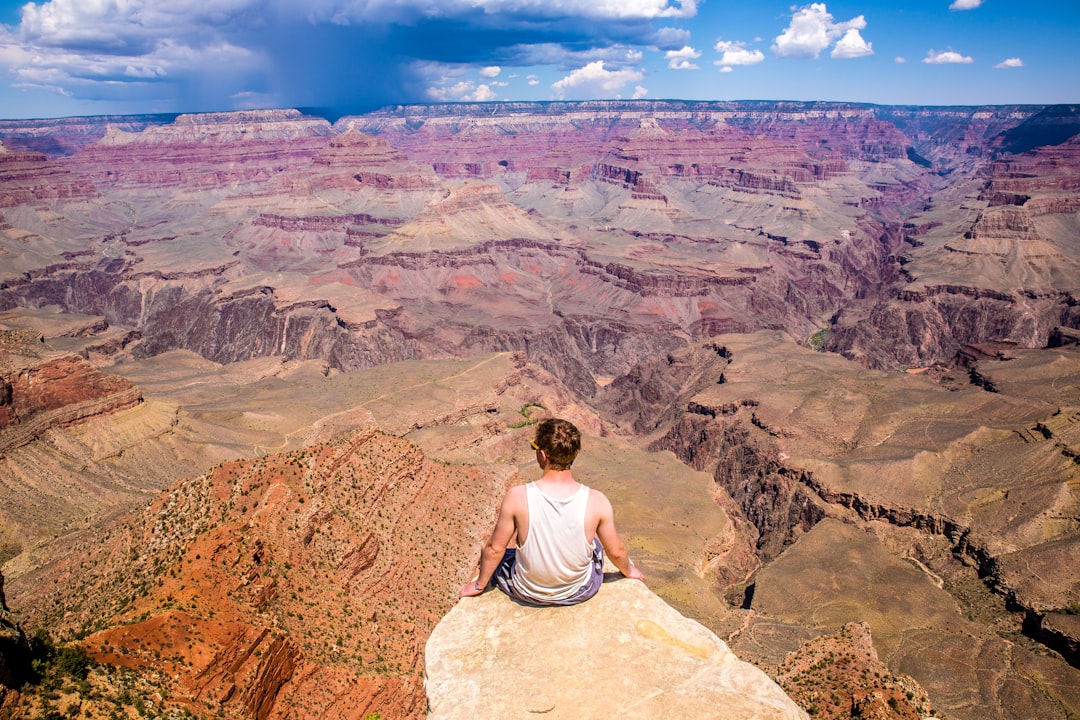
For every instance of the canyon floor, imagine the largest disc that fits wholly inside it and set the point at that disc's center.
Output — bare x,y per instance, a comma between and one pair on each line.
265,379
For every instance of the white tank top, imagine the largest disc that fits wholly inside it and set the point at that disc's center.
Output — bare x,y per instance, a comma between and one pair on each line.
555,560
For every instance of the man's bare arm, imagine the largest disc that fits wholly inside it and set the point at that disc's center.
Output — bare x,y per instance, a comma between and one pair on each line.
495,547
609,538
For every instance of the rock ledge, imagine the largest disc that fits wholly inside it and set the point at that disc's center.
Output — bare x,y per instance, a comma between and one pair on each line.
624,654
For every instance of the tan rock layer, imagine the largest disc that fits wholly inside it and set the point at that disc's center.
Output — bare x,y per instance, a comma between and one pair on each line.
623,654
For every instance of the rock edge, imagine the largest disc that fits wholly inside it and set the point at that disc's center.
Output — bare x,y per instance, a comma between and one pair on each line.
625,654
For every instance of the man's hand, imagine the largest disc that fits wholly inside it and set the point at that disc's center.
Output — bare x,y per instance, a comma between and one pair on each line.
470,589
633,573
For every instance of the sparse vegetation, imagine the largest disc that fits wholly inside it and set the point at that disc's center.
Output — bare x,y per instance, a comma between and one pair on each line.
818,340
526,413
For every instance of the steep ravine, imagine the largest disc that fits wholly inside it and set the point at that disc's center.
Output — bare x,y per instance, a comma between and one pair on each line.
783,502
192,315
603,318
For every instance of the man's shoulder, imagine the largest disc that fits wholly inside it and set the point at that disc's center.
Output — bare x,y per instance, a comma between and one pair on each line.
515,496
598,499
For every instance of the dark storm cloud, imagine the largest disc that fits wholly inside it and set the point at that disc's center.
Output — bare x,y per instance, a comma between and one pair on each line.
343,54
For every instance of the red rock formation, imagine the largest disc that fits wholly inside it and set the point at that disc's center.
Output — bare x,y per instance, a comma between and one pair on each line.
772,498
40,388
840,676
299,585
353,159
58,137
599,239
27,177
204,151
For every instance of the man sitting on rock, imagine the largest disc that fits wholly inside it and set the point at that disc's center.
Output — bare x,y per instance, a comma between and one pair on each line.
549,541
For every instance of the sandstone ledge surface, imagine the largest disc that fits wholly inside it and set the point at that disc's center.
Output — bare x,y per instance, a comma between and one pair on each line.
625,654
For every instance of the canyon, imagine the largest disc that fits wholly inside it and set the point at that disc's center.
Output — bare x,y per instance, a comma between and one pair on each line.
264,378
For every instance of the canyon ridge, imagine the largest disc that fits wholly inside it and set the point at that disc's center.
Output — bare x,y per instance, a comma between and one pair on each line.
264,378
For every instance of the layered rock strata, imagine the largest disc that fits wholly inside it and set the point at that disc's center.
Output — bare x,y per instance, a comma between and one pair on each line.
41,389
952,475
303,584
609,243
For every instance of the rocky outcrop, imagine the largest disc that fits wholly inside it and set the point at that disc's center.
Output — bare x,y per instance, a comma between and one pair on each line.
353,160
858,684
624,653
840,129
301,584
57,137
606,241
791,462
683,219
41,389
28,177
773,498
655,393
15,654
204,151
1005,271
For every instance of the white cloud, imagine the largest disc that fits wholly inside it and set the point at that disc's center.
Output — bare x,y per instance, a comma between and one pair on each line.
483,94
344,11
812,29
131,50
671,38
438,73
594,81
1009,63
247,100
640,92
567,59
900,59
947,57
965,4
463,91
734,53
76,73
144,71
615,9
682,59
133,26
204,51
532,80
852,45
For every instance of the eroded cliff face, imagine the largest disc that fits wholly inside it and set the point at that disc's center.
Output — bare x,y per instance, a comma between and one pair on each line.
950,469
43,391
1007,271
654,222
41,388
303,584
29,177
775,499
608,245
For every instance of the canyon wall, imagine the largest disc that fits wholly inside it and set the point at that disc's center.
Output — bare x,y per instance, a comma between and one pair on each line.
736,285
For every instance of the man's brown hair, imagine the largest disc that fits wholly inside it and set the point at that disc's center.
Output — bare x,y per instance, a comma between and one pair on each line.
560,441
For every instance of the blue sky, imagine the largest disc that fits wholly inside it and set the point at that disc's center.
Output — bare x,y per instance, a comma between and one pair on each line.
89,57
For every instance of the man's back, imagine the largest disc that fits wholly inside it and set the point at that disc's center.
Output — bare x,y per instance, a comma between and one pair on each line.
574,524
554,560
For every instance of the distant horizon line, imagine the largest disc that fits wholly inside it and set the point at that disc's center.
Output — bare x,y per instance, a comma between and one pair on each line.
333,114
